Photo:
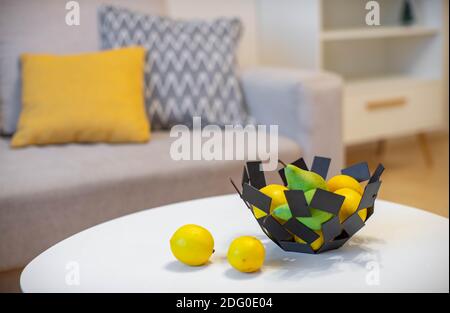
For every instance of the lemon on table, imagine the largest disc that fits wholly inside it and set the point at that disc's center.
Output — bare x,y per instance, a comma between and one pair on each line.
344,181
246,254
192,245
350,205
316,244
274,191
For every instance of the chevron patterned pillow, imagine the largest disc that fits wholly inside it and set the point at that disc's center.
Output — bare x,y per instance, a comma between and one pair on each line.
190,69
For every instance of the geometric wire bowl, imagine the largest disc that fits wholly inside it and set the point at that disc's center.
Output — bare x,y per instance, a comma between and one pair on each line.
334,232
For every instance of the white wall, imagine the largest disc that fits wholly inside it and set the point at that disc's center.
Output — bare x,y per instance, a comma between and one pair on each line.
208,9
287,30
445,56
39,26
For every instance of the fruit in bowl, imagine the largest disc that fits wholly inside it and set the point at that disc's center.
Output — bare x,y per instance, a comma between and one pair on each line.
309,182
344,181
299,179
283,213
325,217
274,191
350,205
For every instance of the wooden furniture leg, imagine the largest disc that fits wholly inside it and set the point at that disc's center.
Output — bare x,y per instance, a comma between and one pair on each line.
425,147
380,148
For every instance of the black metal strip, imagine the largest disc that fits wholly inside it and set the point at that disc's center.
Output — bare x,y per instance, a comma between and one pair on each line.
256,198
300,230
257,178
377,174
352,224
297,203
359,171
320,166
301,164
332,245
369,195
283,176
327,201
245,178
275,229
331,229
292,246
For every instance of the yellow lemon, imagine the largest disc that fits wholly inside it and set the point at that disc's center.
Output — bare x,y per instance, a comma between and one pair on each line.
316,244
276,192
192,245
363,214
344,181
246,254
350,205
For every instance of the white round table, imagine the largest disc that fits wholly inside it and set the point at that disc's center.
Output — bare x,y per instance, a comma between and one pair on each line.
401,249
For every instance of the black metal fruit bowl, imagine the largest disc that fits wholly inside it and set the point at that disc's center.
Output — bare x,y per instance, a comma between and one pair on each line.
335,233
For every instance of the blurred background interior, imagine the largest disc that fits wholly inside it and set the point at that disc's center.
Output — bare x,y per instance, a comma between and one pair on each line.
395,76
395,100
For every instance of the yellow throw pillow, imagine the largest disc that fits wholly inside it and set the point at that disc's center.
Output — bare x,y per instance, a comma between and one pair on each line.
92,97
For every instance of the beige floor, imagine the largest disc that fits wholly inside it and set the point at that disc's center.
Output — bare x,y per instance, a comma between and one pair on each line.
407,179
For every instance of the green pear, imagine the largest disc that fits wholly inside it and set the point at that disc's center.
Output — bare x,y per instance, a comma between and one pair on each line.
299,179
282,213
318,217
309,195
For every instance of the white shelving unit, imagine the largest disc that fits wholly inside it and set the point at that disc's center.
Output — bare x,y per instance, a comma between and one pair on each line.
392,73
379,32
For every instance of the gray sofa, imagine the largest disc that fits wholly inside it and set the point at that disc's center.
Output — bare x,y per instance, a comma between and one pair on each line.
49,193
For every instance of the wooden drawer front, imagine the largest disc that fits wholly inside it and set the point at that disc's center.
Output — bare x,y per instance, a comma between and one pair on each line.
392,112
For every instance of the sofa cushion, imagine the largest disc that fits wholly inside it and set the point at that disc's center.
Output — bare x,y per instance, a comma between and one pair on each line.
191,65
89,97
49,193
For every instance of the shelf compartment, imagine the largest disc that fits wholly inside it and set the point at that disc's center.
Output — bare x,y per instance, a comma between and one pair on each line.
417,57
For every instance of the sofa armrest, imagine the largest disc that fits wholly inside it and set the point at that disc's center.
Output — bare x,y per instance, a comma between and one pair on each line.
306,105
